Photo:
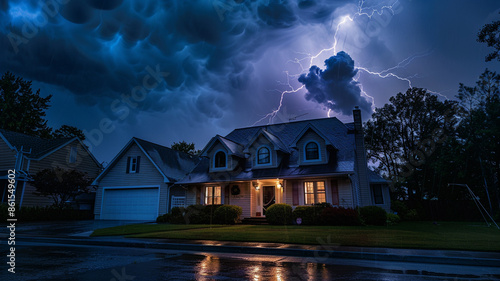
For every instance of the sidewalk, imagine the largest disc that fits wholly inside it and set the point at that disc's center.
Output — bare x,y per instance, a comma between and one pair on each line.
321,252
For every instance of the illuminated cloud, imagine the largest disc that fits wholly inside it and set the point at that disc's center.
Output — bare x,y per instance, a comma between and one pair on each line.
335,87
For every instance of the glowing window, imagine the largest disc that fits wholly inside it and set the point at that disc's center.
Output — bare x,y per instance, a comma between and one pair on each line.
213,195
314,192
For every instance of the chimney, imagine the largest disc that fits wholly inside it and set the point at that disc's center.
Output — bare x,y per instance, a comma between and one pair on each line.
361,164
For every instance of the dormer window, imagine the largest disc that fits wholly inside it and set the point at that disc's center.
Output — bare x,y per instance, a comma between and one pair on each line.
263,156
220,160
312,151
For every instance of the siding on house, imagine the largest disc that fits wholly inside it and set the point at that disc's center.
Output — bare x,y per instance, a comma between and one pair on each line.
243,199
60,158
8,159
310,135
148,175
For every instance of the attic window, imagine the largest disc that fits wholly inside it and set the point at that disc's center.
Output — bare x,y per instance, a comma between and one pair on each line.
311,151
263,156
220,160
133,164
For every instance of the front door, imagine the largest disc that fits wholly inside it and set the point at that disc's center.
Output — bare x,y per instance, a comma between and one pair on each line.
268,197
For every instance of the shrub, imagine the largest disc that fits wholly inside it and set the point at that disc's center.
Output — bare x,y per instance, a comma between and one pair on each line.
310,215
177,215
399,208
392,219
412,215
373,215
339,216
164,218
279,214
227,214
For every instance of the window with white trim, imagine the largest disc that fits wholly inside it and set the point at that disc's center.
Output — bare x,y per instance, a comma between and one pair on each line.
314,192
263,156
213,195
220,159
311,151
133,164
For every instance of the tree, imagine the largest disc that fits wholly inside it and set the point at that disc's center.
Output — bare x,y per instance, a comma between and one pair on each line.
61,185
479,135
185,147
66,131
21,110
403,136
490,34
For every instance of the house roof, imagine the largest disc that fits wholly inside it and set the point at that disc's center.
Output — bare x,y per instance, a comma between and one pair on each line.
334,131
232,147
374,177
275,141
171,164
39,147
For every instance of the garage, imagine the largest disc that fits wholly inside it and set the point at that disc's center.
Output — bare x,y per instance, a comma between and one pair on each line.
130,204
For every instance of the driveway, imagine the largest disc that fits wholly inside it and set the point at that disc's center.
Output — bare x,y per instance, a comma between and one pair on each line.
65,228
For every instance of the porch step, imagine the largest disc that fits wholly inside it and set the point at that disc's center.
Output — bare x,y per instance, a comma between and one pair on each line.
254,220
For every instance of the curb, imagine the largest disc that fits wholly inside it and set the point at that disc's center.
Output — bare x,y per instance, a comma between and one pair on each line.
318,254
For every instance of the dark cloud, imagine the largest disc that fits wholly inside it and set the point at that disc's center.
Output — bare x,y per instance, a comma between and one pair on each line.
335,87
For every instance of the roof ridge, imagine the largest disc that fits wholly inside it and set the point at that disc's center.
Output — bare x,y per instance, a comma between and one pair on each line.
163,146
290,122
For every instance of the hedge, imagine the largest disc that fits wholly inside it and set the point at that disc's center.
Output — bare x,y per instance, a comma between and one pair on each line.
373,215
279,214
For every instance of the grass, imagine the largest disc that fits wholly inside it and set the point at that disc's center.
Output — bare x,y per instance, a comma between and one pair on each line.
413,235
146,228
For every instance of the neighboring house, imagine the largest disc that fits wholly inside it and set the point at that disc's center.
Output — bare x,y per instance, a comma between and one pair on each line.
136,184
29,154
298,163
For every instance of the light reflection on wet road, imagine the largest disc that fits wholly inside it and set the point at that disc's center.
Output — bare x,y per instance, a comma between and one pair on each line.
65,262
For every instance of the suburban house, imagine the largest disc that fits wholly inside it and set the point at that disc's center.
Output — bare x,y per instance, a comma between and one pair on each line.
136,185
298,163
28,154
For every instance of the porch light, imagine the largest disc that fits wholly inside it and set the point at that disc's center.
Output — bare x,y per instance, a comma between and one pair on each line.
278,184
256,185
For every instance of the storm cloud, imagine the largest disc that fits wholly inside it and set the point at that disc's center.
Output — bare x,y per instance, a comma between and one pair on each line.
335,87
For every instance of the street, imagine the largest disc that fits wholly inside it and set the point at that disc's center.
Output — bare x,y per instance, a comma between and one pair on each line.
40,261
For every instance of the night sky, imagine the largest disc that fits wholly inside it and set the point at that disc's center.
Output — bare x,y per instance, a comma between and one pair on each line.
188,70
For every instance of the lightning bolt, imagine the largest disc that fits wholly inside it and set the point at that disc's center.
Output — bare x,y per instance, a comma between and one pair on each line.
309,58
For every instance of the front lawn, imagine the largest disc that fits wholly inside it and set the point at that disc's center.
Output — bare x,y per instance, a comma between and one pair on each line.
415,235
146,228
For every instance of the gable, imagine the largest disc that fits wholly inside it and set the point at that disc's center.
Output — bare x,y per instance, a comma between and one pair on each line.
116,175
62,157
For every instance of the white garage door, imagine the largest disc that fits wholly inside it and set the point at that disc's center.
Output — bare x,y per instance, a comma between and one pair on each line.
130,204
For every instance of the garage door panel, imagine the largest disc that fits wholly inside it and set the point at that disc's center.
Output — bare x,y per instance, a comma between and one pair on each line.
130,204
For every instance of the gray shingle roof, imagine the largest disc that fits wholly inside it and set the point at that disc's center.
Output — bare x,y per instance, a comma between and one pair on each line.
285,134
174,164
38,146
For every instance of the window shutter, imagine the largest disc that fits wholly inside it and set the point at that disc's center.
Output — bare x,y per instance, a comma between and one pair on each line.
138,164
226,195
334,185
198,195
295,193
127,169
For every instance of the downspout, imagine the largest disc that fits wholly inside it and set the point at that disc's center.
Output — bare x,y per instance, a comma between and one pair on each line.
24,184
355,195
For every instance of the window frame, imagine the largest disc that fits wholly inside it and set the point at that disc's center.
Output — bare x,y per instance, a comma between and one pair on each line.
210,199
314,192
318,150
269,156
132,169
215,160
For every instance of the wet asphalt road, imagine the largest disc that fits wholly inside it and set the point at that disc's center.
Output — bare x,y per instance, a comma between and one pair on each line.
37,261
